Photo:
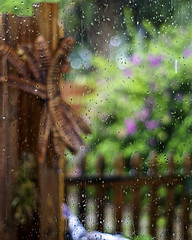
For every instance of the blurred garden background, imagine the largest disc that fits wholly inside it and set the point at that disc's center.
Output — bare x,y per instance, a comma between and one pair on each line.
136,56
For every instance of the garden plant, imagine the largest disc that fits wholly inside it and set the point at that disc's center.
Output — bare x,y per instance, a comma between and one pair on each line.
142,100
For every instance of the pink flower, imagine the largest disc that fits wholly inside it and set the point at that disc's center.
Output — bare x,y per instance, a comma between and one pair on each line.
150,101
131,126
154,86
135,59
65,210
153,141
155,60
143,114
179,97
151,124
127,72
187,52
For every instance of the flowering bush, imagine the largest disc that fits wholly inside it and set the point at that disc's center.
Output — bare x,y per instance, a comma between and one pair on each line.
145,103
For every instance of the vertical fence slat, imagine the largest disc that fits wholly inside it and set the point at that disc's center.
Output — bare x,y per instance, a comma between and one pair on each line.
49,22
62,224
100,195
170,200
45,17
187,164
8,127
3,140
82,195
153,204
118,192
12,161
136,196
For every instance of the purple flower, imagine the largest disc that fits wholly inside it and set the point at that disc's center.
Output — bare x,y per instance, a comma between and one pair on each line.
65,210
131,126
127,72
155,60
153,142
154,86
179,97
151,124
150,101
143,114
187,52
135,59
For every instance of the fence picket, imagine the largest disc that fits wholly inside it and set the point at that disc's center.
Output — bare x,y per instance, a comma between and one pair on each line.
135,181
136,196
100,195
187,165
118,192
170,200
82,194
153,204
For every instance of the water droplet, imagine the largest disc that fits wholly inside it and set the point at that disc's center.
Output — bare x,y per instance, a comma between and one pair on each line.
176,66
115,41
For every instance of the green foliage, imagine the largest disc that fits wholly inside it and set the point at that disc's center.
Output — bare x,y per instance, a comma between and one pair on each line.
143,237
129,20
143,102
25,195
21,7
77,17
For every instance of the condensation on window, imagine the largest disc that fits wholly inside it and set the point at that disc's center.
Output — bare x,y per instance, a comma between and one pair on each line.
95,120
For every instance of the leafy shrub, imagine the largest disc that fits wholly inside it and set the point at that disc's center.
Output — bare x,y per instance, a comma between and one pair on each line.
25,195
143,101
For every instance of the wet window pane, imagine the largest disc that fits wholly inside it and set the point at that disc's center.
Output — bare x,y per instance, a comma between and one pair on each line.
95,119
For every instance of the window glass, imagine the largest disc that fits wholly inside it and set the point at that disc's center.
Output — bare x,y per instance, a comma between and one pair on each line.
95,119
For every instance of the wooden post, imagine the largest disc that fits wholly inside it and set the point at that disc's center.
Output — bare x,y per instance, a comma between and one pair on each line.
61,173
46,15
29,109
8,133
50,180
22,127
4,152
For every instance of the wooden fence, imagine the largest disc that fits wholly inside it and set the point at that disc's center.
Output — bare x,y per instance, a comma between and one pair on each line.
159,201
